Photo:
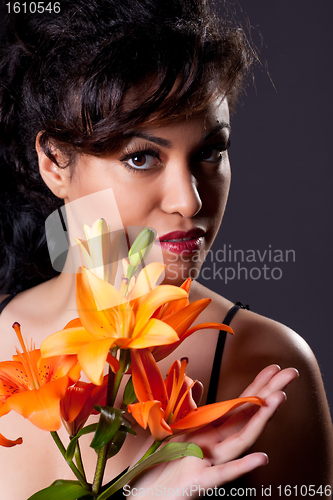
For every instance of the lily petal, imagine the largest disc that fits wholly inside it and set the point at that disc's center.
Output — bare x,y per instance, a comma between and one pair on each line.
206,414
8,443
42,406
74,400
4,408
147,379
150,413
83,245
99,318
183,319
56,366
92,358
98,293
147,279
146,305
68,341
11,378
74,323
175,306
99,247
78,404
154,333
161,352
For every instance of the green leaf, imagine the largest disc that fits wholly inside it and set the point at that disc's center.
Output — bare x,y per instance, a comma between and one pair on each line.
128,429
129,393
170,451
118,440
109,423
72,445
66,490
64,481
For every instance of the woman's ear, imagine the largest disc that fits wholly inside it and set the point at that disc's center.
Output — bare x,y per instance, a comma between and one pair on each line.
57,179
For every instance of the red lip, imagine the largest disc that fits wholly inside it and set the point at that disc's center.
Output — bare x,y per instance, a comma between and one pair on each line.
191,242
177,235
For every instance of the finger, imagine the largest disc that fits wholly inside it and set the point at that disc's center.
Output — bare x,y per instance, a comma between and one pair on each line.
269,380
239,442
279,382
197,392
258,384
225,473
261,380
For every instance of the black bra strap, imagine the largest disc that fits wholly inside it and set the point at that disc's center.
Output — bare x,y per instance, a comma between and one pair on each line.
215,375
6,301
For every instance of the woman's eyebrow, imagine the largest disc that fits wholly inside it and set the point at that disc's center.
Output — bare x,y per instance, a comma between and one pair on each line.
165,143
215,131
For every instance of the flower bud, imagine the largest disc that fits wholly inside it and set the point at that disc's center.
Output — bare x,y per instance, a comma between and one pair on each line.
141,247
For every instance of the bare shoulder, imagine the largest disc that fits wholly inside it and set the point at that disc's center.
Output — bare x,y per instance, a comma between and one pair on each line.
264,340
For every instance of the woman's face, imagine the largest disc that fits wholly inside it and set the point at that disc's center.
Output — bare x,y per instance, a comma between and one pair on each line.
173,178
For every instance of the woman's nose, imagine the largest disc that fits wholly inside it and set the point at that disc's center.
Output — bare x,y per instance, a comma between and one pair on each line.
180,193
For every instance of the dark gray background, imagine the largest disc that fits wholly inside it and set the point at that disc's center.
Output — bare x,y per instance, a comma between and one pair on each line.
282,175
281,158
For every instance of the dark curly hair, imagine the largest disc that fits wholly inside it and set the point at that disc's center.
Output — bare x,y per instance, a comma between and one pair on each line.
67,75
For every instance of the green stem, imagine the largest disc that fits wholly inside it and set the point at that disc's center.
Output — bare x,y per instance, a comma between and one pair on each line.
100,467
112,390
150,451
71,464
78,460
123,367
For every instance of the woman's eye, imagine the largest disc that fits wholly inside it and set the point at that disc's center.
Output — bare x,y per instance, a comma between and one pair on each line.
138,161
213,153
141,161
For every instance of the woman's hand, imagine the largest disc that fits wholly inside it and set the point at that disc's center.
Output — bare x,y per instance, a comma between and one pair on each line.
222,445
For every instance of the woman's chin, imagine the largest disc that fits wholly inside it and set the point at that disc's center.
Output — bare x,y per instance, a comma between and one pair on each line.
177,273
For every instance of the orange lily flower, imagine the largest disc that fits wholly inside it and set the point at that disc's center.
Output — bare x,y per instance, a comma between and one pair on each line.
180,315
108,320
78,404
167,407
33,387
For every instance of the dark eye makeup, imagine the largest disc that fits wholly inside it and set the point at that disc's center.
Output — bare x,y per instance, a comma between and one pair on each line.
213,152
140,158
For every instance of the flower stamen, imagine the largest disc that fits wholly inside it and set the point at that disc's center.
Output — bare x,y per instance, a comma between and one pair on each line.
27,360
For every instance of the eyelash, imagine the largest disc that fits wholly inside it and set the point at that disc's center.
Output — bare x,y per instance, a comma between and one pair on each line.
147,150
221,147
